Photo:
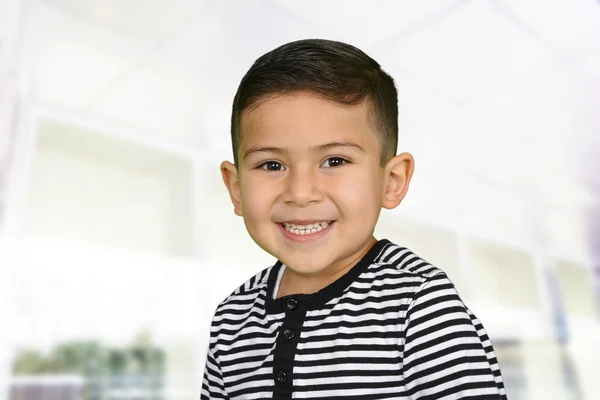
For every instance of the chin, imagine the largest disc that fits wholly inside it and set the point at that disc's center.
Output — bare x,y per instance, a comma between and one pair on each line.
303,266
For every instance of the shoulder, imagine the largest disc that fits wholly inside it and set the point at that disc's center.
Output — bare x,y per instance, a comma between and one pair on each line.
250,289
403,261
237,309
400,269
430,293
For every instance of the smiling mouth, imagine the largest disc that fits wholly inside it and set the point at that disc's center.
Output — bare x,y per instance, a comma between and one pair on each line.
307,229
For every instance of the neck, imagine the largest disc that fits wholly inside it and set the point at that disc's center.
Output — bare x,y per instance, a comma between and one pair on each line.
295,283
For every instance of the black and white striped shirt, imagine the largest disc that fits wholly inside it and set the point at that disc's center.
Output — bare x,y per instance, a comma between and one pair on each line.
393,327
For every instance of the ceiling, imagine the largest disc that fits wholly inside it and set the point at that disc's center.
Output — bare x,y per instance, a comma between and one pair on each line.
504,91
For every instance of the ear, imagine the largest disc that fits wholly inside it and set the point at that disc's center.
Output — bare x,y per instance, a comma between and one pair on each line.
232,182
398,173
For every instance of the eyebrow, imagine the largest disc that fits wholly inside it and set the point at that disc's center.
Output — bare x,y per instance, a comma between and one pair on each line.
321,147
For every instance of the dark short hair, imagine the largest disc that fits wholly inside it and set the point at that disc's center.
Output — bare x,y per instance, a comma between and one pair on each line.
333,70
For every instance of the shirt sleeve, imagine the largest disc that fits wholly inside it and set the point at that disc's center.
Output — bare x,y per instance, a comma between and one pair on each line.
447,352
212,383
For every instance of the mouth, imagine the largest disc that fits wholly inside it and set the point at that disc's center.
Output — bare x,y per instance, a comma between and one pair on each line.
305,230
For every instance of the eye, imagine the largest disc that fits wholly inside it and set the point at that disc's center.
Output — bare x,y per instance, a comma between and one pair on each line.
334,162
272,166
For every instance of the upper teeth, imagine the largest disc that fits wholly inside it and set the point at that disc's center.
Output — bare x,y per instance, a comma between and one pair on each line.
305,229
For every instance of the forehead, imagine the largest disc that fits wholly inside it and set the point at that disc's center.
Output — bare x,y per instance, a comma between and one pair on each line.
305,119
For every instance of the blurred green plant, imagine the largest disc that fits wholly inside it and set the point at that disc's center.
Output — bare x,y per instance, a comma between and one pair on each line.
92,358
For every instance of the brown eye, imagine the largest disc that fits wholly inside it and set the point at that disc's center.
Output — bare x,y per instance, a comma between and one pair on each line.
334,162
272,166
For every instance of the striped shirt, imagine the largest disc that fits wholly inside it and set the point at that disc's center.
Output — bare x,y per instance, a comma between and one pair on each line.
393,327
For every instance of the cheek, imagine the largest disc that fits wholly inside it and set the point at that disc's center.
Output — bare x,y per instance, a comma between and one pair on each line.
257,199
357,194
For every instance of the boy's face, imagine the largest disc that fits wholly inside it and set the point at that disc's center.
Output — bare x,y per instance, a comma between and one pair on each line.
310,186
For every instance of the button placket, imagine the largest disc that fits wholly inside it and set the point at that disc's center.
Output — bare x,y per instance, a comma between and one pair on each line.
285,351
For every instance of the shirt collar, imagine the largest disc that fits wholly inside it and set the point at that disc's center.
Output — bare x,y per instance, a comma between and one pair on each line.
319,299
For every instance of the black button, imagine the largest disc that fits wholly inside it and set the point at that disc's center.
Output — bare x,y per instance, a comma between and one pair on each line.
281,377
288,334
291,304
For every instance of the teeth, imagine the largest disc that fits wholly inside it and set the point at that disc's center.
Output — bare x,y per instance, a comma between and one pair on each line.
305,229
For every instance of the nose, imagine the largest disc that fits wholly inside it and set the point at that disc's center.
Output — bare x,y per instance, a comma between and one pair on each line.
302,188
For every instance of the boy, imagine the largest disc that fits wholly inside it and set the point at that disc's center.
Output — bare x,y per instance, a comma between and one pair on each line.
341,315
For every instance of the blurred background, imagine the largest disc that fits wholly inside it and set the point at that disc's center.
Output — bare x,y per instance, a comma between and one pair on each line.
117,237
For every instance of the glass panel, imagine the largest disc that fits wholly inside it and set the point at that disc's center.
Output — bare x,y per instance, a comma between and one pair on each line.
504,276
92,188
